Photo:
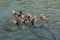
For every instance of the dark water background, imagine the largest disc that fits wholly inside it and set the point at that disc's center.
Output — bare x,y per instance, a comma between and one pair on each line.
50,31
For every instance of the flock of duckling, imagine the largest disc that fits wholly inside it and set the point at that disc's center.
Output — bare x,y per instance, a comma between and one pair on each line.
29,18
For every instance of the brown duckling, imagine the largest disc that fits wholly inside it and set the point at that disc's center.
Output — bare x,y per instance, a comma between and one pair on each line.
43,17
12,21
34,20
28,15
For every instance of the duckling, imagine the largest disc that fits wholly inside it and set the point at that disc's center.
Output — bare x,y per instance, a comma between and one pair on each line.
28,15
34,20
43,17
12,21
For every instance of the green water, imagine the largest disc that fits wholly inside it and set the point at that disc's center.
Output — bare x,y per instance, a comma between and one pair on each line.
51,30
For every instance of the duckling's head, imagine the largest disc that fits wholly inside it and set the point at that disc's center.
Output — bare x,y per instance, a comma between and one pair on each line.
34,17
28,14
15,14
33,21
42,16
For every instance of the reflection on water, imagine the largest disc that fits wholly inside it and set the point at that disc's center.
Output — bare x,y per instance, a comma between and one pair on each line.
50,31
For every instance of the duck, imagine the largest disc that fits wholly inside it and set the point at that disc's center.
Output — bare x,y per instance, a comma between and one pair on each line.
28,15
13,22
43,17
34,20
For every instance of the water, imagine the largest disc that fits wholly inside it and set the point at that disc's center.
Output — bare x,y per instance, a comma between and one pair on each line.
51,31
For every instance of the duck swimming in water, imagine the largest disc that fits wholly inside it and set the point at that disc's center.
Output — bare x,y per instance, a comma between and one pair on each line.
34,20
13,22
43,17
28,15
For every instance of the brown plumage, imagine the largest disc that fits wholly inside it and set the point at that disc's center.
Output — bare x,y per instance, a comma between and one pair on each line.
12,21
34,20
43,17
28,15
